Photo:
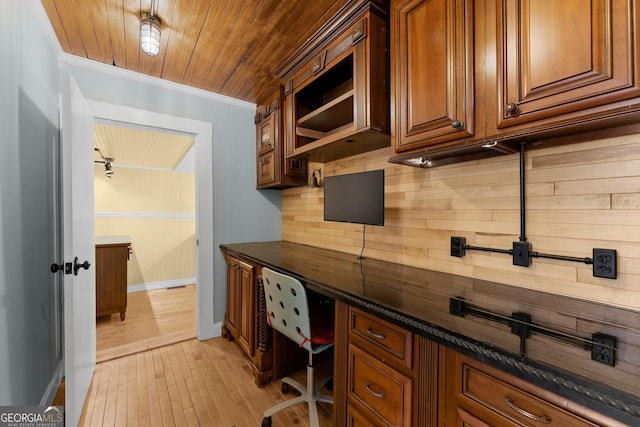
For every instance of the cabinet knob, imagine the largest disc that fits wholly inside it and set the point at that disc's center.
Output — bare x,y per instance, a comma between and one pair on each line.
511,108
264,160
456,124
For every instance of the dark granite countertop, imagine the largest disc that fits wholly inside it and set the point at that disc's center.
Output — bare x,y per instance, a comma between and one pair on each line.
419,300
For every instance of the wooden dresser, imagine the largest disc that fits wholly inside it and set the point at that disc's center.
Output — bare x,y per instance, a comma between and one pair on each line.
112,255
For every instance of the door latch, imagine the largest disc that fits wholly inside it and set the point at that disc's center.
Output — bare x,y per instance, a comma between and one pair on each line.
77,266
66,266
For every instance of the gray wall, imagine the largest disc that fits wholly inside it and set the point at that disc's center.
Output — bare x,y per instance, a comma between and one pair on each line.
29,93
29,124
240,212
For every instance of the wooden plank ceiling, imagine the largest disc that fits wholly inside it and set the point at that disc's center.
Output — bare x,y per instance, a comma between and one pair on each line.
141,147
230,47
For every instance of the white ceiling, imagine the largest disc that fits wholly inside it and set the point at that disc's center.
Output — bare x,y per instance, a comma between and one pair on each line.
133,146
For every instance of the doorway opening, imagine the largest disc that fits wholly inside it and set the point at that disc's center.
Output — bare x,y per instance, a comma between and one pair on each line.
145,238
203,160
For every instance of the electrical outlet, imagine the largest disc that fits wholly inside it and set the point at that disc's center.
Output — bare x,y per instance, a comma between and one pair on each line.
458,246
603,349
604,263
521,254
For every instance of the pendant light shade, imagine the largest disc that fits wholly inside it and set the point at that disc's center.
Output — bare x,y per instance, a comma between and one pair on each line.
150,34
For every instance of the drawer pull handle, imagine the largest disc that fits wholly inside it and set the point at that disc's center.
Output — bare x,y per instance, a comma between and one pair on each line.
374,393
540,418
375,335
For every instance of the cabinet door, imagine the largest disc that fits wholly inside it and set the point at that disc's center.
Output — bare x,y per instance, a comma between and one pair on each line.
566,57
432,66
241,304
272,169
246,335
267,169
233,297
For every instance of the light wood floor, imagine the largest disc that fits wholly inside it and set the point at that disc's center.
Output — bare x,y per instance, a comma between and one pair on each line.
154,319
206,383
151,372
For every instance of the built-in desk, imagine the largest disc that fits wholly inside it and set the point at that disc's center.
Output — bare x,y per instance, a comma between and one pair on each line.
420,301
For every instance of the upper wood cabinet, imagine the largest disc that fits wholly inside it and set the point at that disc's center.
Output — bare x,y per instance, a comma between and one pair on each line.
437,80
337,92
565,61
272,169
472,79
433,72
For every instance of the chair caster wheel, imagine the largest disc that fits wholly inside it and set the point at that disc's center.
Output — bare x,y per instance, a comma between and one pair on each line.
284,388
266,422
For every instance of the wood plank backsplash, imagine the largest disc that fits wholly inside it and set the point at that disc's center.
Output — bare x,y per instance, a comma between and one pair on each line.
578,197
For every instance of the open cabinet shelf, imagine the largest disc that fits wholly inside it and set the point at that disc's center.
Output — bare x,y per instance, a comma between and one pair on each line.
337,97
330,116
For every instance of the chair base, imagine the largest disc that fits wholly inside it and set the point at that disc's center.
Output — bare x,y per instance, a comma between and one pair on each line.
309,394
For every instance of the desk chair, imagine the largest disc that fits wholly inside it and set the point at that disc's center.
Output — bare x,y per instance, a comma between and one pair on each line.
308,324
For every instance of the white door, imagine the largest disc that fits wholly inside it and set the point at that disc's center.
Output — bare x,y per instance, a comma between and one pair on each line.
78,212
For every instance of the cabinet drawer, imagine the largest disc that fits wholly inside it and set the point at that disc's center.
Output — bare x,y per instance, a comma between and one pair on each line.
379,390
513,403
395,342
357,419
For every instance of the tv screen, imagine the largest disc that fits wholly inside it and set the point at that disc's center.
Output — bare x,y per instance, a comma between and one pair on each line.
356,198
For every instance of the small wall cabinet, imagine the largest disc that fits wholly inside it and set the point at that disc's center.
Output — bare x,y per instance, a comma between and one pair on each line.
111,278
273,170
337,92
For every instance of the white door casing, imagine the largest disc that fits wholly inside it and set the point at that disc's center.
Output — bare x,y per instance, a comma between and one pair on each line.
203,133
78,235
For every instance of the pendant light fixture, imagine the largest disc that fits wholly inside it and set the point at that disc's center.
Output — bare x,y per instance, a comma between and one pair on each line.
150,31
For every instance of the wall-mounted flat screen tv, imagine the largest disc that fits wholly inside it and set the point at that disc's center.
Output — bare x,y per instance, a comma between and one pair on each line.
355,198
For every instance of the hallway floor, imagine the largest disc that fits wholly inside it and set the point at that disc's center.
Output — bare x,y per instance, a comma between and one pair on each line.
154,319
151,371
192,383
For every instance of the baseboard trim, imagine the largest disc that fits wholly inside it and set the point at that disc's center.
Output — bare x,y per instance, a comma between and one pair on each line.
213,331
52,388
161,285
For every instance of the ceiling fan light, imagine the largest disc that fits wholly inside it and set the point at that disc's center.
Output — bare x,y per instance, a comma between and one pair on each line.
150,35
108,171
